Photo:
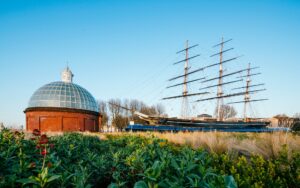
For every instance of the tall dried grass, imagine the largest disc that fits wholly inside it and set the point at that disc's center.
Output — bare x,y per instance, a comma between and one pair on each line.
269,145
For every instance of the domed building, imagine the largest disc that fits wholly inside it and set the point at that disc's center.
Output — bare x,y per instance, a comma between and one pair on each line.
62,106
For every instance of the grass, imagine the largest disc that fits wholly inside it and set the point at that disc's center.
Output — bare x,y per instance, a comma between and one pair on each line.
267,145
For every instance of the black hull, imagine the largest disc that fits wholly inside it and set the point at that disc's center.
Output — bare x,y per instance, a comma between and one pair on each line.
174,124
214,124
169,128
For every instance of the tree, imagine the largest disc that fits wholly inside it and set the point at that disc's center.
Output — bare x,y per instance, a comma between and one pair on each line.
114,107
296,124
126,105
121,116
103,111
148,110
120,121
160,109
297,115
226,112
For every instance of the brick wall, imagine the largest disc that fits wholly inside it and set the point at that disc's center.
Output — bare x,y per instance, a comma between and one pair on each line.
62,121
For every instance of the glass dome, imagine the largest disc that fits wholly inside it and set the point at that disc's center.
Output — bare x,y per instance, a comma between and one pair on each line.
63,94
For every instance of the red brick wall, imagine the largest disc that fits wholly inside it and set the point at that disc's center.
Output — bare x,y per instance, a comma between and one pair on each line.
62,121
49,123
89,124
70,124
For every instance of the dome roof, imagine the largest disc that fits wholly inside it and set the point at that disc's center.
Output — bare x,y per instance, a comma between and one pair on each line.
63,94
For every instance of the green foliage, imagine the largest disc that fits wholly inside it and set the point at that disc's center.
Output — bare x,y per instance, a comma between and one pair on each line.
42,179
132,161
258,172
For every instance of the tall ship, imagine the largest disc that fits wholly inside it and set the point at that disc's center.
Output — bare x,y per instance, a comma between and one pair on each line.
222,78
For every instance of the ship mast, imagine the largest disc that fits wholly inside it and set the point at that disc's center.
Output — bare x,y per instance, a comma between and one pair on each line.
185,104
247,96
220,94
185,93
220,90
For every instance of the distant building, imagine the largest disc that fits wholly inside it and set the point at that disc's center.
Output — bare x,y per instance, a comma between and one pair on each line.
282,120
62,106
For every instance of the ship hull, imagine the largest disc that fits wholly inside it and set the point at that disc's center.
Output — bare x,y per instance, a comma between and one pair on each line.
213,124
170,128
170,124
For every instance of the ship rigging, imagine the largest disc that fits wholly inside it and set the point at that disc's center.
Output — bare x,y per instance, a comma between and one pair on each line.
221,95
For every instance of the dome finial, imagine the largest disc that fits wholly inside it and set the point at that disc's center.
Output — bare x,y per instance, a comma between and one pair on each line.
67,75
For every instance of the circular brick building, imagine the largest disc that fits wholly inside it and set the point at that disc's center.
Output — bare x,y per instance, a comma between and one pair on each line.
62,106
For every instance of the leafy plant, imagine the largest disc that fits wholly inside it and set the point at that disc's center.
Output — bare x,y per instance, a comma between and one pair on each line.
76,160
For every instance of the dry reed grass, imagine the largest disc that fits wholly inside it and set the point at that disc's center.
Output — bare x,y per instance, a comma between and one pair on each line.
268,145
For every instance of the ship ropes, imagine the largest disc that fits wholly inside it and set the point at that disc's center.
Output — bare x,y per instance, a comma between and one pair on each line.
211,86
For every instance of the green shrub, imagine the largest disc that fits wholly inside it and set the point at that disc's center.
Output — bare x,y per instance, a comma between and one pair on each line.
75,160
258,172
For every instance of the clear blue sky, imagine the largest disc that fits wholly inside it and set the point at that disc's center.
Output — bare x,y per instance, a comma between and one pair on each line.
125,49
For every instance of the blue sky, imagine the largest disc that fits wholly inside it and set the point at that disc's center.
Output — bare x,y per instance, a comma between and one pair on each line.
125,49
